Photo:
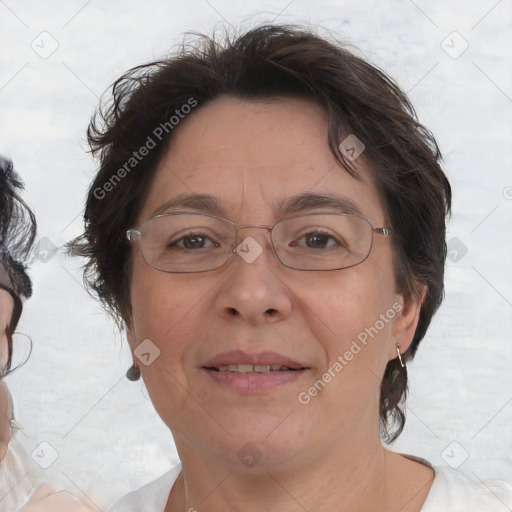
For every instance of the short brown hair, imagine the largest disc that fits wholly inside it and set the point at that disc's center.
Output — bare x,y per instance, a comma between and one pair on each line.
271,62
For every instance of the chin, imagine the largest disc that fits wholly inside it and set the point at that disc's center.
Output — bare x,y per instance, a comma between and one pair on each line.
261,441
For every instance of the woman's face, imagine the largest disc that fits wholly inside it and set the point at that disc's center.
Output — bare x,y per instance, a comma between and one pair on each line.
253,157
6,311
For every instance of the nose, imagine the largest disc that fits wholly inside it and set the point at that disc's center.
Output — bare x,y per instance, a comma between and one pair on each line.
254,290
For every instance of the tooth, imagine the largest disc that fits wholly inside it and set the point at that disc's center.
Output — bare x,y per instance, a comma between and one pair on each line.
249,368
261,368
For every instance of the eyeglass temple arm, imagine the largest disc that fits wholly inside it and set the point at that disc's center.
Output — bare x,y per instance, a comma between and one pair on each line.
382,231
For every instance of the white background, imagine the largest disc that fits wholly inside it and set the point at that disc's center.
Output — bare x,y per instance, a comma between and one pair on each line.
73,393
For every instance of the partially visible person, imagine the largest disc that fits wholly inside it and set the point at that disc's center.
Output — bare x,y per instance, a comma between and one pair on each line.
17,233
19,475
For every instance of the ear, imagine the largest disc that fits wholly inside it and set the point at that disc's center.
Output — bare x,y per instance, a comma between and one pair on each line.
406,320
130,336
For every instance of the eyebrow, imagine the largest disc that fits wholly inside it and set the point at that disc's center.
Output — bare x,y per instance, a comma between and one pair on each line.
293,205
200,202
312,201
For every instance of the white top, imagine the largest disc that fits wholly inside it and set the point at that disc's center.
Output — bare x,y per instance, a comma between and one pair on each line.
450,492
19,475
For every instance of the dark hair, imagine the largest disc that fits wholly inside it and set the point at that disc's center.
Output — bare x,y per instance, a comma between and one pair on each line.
265,63
17,234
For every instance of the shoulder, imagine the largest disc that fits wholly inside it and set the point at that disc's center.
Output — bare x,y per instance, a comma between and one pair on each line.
18,474
451,491
151,497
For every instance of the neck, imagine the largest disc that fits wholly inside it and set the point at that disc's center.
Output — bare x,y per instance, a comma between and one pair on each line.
354,476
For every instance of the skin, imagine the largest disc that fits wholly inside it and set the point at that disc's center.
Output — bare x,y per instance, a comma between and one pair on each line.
6,310
46,499
326,455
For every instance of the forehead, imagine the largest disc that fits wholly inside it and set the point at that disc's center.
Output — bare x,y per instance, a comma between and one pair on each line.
253,156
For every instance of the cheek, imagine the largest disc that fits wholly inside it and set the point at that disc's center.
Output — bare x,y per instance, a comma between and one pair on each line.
169,311
158,300
5,414
6,312
344,313
166,311
4,350
346,303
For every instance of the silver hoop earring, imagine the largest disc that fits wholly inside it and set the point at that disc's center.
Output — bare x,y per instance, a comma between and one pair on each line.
400,356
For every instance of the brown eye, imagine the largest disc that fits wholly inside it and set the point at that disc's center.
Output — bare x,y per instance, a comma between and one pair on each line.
193,241
317,240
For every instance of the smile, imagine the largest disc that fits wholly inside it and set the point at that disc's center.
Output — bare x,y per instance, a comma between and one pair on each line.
250,368
249,379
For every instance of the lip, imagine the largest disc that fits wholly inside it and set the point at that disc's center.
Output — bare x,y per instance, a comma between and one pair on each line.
261,358
252,383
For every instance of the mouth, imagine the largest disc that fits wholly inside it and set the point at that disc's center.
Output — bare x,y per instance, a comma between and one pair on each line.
253,368
252,373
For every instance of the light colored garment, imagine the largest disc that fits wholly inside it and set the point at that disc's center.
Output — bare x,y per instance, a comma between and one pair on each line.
450,492
19,475
151,497
453,492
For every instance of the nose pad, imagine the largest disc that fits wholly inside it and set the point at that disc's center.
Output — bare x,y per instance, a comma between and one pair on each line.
249,249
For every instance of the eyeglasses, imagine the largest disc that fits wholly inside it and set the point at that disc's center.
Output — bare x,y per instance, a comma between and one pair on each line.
190,242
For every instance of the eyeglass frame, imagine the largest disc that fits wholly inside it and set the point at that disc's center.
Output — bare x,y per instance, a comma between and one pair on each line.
134,234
